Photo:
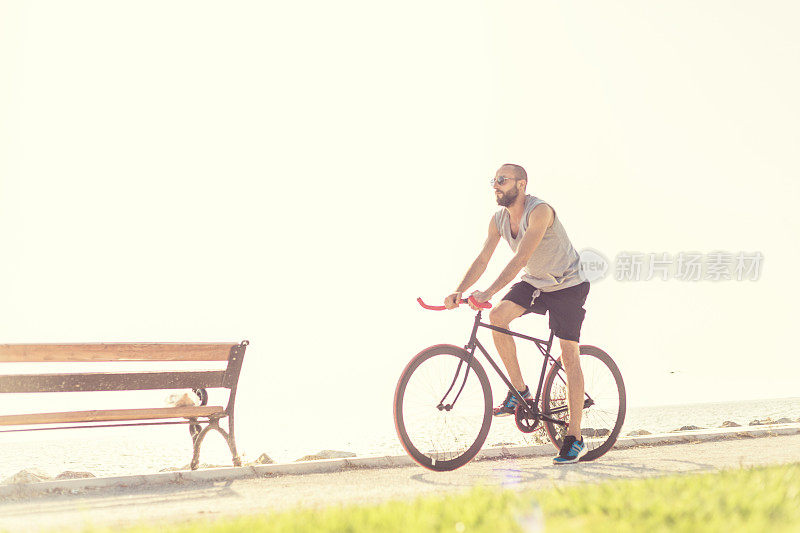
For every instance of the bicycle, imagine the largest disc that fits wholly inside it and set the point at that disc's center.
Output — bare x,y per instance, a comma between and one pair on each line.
441,435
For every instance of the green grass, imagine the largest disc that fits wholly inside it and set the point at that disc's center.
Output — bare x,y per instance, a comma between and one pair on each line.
752,499
756,499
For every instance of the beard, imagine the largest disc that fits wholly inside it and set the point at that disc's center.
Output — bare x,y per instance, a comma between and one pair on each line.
506,199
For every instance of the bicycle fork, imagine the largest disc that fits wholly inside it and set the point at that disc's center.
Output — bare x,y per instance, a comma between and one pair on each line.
470,348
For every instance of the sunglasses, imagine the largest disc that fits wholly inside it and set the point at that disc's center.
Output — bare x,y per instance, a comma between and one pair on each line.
501,180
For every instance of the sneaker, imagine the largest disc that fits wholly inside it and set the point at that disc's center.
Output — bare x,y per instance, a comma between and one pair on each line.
510,403
571,451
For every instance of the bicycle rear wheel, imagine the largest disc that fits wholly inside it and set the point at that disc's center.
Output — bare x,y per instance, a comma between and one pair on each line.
443,407
601,422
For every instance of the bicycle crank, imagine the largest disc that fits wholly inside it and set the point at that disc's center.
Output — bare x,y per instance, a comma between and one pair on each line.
527,419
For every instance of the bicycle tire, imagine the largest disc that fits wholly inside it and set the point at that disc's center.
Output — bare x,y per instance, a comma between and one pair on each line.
549,401
442,461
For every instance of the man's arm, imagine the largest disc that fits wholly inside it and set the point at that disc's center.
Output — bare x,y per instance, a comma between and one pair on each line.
538,221
478,266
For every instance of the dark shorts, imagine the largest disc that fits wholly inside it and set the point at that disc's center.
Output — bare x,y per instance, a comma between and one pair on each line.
565,306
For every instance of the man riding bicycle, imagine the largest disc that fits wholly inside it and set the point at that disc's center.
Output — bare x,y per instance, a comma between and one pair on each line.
551,282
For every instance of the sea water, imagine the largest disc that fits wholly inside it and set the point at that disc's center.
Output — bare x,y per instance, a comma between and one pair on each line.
126,451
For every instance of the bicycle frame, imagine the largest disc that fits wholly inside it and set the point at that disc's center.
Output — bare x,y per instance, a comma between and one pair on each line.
544,347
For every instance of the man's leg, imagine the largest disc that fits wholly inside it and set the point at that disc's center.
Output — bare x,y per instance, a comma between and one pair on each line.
570,359
501,316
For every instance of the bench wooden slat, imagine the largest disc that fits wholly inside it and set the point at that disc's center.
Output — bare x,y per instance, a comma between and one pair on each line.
102,381
110,415
31,353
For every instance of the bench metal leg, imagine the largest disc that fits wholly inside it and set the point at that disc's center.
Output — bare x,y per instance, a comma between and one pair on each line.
198,441
237,461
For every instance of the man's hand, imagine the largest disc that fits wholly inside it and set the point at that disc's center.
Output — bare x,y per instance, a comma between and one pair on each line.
452,301
481,297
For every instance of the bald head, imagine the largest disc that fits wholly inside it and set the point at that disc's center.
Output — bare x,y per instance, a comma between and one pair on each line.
516,171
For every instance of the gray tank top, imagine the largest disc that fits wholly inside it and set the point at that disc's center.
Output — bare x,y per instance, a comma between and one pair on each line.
554,264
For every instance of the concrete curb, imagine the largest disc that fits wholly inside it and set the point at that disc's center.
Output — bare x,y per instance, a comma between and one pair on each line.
335,465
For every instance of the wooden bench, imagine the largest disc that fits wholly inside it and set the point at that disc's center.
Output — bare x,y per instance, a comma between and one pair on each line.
201,418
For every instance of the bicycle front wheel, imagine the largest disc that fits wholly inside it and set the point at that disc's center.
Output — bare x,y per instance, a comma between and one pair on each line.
443,407
604,392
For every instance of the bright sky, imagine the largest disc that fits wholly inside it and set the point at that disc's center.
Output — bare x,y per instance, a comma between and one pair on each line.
297,173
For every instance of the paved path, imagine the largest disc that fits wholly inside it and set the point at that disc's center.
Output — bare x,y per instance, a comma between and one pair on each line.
196,499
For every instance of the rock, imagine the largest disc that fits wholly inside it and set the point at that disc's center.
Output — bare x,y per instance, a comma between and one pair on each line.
69,474
729,424
174,468
206,465
686,428
639,432
326,454
31,475
769,420
591,432
189,467
262,459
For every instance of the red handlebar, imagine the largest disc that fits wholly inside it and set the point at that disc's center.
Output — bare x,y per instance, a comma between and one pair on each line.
484,305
